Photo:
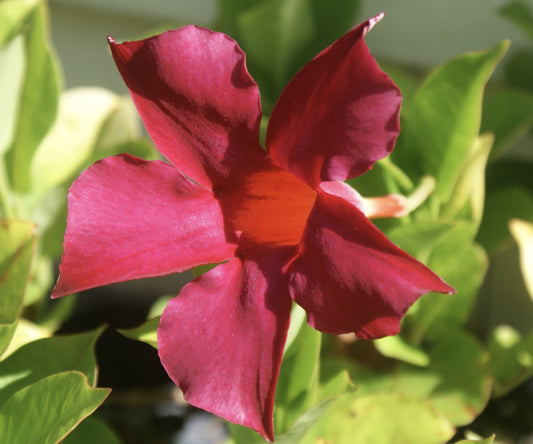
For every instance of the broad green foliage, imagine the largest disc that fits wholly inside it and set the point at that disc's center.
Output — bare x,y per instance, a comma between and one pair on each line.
47,410
442,122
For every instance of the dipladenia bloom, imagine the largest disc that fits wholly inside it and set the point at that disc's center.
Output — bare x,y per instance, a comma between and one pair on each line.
281,221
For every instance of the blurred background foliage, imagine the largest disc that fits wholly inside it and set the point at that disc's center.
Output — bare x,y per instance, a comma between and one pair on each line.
461,367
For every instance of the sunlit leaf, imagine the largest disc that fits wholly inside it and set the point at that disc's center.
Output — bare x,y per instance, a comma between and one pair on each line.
17,244
468,196
147,332
523,233
84,121
12,67
47,410
44,357
444,118
488,440
396,347
91,430
511,359
380,418
299,377
36,112
26,331
13,15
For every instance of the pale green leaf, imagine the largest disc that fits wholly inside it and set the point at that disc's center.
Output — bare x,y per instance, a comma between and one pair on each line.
47,410
91,431
12,66
444,118
13,15
36,112
83,114
147,332
397,348
523,234
380,418
16,252
44,357
511,358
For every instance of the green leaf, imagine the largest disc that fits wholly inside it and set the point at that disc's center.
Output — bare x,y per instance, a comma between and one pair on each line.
298,381
508,114
488,440
47,410
397,348
6,334
36,112
464,369
12,65
26,331
87,118
305,422
91,430
511,359
13,15
444,118
520,13
380,418
468,194
523,233
146,332
44,357
16,252
448,250
501,205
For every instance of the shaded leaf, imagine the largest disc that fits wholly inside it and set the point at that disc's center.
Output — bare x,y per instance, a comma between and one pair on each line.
501,205
508,114
47,410
520,13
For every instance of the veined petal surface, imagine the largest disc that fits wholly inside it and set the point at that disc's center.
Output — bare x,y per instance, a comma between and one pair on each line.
350,278
337,116
129,219
221,339
196,99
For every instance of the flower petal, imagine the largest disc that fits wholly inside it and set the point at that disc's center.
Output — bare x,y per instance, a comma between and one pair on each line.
350,278
196,98
337,116
129,219
221,340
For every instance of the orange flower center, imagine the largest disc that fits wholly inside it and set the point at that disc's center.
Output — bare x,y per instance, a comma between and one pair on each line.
269,206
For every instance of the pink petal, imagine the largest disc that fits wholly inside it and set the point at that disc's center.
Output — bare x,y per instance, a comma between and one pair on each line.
221,340
350,278
196,98
337,116
129,219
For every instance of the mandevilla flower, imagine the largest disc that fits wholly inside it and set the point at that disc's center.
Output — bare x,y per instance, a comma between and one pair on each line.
280,221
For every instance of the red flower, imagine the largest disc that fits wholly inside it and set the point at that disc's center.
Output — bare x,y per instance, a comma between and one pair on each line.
282,219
